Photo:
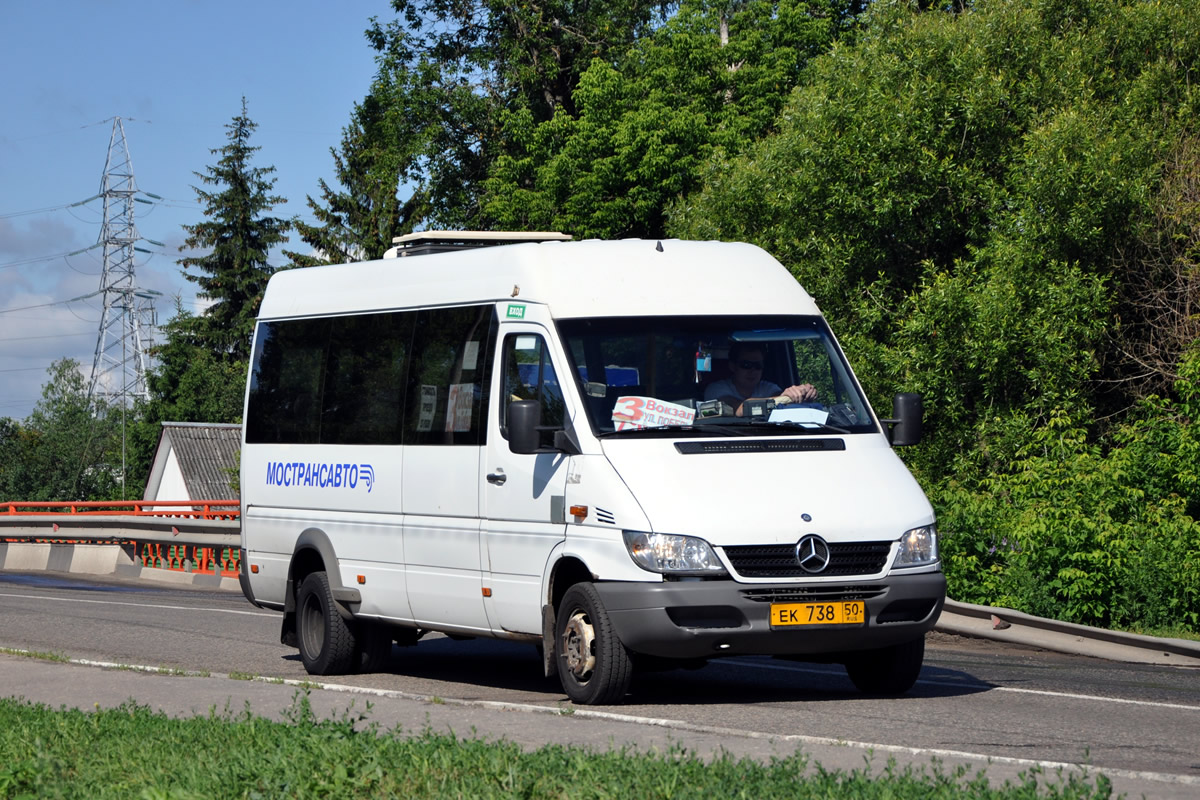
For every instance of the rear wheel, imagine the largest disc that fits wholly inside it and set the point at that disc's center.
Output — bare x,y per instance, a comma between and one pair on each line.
593,665
888,670
327,643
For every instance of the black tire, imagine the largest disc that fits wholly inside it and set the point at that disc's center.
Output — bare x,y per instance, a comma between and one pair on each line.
375,646
593,666
328,645
888,670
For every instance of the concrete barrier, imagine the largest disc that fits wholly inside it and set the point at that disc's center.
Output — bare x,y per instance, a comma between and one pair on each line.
94,559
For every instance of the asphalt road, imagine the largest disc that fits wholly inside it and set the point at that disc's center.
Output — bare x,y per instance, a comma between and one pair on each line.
996,706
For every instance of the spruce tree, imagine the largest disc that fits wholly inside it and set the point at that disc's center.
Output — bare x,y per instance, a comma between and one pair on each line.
238,235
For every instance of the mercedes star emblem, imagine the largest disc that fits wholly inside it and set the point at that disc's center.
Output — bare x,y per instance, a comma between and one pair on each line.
812,554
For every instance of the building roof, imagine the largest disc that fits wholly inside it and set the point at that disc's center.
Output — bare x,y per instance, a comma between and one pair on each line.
206,456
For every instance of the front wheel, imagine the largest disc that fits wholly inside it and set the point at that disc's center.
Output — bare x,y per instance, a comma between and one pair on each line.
888,670
327,643
593,665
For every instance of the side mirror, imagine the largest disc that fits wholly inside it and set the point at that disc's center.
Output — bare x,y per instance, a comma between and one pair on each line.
524,417
908,411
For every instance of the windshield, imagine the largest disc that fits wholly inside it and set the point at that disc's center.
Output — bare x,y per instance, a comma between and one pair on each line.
726,375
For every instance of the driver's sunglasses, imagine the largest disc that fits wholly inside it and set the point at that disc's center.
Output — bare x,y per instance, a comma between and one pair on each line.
744,364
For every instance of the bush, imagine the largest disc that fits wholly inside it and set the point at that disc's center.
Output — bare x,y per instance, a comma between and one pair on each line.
1076,534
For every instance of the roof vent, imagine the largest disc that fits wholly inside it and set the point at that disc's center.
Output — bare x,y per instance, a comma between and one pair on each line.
424,243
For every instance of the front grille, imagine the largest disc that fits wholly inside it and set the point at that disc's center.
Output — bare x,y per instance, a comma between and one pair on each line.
779,560
821,593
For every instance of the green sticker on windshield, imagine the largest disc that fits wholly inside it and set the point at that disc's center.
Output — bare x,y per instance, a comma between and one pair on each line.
516,312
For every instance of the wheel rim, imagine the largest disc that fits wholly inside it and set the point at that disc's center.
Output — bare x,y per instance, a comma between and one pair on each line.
579,646
312,626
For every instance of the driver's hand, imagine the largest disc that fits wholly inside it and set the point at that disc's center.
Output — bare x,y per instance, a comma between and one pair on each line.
804,393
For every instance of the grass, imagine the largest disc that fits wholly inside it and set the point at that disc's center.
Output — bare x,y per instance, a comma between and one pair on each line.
35,654
131,751
1169,633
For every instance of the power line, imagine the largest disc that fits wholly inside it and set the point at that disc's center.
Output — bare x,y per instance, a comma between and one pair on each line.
157,200
23,262
45,210
48,336
54,303
66,130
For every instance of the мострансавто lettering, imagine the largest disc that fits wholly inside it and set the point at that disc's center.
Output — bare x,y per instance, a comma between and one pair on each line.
322,475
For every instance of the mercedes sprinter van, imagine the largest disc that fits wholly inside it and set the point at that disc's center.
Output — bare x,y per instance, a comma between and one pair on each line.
632,454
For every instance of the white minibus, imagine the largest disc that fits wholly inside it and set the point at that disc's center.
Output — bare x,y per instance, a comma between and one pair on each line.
632,454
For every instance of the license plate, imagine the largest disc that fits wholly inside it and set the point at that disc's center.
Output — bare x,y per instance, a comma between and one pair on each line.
853,612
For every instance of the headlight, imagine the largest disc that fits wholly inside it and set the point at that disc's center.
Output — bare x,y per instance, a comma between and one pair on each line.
918,547
672,555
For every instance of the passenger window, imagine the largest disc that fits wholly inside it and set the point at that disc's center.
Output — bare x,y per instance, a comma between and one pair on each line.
529,375
285,384
449,376
365,379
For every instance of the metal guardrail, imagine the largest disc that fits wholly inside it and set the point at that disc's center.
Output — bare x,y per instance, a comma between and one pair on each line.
187,536
1016,627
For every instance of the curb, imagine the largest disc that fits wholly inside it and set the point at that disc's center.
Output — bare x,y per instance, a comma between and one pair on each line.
1016,627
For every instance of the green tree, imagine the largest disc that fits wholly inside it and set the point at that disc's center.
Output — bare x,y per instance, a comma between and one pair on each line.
237,236
1104,536
431,123
359,221
189,383
201,365
12,460
955,189
708,83
69,448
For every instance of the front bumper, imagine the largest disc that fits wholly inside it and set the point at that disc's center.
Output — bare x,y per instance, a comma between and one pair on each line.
707,619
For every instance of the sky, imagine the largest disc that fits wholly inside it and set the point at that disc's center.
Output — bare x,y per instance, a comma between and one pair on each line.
175,72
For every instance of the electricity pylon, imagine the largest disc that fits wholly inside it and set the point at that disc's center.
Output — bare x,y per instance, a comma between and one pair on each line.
127,321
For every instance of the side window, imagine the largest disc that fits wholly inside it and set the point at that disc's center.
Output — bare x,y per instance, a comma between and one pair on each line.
286,381
529,375
449,376
365,378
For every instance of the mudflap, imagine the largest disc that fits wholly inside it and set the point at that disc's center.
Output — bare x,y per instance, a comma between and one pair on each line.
549,650
287,633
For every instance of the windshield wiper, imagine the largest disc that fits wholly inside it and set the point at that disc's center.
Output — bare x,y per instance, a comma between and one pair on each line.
805,427
706,430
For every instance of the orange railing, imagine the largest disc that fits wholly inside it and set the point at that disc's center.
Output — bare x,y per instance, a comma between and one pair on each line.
187,509
223,561
193,558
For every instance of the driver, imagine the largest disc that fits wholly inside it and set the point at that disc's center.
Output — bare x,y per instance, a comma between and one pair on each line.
745,381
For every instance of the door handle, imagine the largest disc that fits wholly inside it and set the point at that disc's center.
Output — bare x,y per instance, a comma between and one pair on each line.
497,477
